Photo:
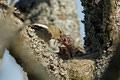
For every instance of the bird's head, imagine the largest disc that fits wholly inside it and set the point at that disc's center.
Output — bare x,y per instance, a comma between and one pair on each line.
53,31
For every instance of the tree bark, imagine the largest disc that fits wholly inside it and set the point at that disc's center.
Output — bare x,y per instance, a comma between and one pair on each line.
36,56
58,13
101,32
46,12
61,13
113,71
9,27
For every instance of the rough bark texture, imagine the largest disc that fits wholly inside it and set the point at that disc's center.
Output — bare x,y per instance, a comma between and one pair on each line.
39,58
10,26
113,71
101,27
35,52
61,13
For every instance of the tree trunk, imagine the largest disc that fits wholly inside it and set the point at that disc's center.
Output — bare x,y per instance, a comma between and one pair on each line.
9,27
101,27
39,58
34,52
61,13
113,71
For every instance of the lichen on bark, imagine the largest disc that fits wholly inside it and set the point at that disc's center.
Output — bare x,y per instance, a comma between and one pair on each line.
52,13
100,27
101,32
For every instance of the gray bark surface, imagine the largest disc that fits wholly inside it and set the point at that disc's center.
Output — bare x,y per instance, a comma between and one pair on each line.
38,52
101,27
39,58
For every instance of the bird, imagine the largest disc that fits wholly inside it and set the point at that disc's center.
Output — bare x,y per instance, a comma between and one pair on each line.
47,32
